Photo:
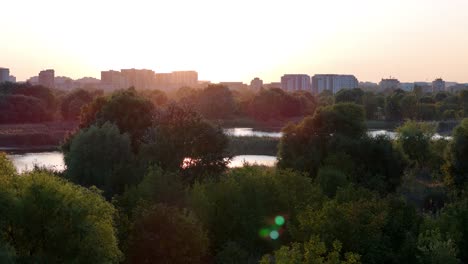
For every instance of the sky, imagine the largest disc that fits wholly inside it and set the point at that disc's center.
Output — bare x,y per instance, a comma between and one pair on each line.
237,40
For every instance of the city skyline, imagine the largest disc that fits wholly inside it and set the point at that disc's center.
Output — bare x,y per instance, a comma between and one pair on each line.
237,41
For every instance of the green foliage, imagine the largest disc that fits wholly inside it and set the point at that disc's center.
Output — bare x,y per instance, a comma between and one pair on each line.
239,205
350,96
232,253
73,102
101,156
452,224
22,109
409,106
215,102
393,108
157,186
49,220
157,97
330,179
130,112
434,250
167,235
303,146
7,253
346,119
380,230
311,252
456,167
181,139
275,103
414,139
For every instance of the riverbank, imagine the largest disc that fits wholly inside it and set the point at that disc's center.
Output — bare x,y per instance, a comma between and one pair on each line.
49,136
37,136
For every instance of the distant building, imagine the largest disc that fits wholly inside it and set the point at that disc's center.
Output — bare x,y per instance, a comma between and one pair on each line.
256,84
333,82
424,87
113,80
234,85
408,87
184,78
4,75
390,83
140,79
12,79
457,87
47,78
438,85
272,85
295,82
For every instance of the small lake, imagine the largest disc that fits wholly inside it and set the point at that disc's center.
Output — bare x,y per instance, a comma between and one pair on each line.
250,132
54,161
26,162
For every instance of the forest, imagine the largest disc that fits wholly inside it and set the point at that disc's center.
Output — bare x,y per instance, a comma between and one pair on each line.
147,179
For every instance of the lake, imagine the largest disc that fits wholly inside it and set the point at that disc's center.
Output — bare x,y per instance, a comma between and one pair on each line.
250,132
54,160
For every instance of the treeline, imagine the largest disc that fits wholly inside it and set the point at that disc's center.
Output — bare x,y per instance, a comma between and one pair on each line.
25,103
150,184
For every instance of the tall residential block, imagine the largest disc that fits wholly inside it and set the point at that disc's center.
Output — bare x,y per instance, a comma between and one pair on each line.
390,83
333,82
438,85
4,75
295,82
256,84
47,78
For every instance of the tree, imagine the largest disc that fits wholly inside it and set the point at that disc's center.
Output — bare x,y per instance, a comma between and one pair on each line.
181,139
393,108
313,251
246,202
371,105
303,146
216,102
101,156
350,96
380,230
414,139
157,97
330,179
456,167
49,220
409,106
73,102
434,250
167,235
23,109
130,112
452,224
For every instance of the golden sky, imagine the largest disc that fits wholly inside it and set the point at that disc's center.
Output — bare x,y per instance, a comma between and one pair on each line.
237,40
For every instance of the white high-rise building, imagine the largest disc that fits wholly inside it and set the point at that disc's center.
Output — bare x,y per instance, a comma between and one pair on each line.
47,78
390,83
4,75
438,85
295,82
256,84
333,82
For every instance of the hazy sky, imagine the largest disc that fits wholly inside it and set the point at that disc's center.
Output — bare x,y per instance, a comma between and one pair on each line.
239,39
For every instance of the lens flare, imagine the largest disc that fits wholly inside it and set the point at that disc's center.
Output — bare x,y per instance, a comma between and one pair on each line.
279,220
274,234
264,232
